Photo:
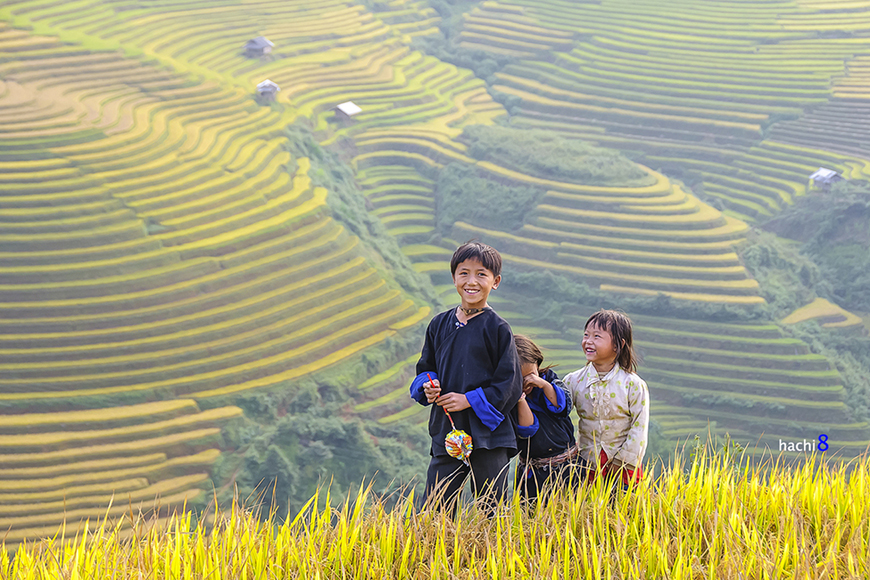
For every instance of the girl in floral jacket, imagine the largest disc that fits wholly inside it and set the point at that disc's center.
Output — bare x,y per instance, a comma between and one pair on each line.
612,402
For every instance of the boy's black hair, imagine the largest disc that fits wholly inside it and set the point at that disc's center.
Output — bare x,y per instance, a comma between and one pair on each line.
486,255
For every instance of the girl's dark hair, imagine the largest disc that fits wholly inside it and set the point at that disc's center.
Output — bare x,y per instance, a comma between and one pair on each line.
529,352
619,327
486,255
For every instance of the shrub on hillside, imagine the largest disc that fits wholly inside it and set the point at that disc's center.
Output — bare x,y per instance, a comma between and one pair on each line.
834,230
787,278
547,155
446,47
483,64
288,445
463,195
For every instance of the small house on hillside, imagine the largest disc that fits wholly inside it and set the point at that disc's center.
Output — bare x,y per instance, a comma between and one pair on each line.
258,47
267,90
825,178
347,111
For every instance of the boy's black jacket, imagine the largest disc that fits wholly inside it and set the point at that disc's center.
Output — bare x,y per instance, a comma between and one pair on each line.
481,354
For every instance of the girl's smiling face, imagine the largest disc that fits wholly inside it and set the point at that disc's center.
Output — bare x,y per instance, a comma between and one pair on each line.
598,347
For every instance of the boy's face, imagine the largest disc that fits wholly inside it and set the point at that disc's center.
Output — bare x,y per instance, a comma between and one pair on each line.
598,346
474,282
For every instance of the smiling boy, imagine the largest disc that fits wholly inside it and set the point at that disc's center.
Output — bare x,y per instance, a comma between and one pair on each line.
470,355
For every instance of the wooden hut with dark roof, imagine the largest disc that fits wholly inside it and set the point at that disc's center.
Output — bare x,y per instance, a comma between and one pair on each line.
257,47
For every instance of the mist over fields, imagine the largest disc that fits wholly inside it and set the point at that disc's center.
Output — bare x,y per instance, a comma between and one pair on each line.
206,286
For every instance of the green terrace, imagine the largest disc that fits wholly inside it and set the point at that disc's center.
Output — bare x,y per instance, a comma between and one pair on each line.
837,126
563,218
66,466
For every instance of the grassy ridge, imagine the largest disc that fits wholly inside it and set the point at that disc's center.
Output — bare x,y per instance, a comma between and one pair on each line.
711,517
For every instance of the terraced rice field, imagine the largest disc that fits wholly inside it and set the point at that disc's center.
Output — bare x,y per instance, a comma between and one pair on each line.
158,242
78,462
658,239
699,87
598,234
829,315
162,251
168,259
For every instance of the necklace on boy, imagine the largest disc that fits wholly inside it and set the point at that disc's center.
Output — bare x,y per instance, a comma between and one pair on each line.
471,311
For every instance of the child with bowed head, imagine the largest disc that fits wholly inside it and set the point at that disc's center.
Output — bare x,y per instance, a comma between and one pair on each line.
612,402
549,457
469,368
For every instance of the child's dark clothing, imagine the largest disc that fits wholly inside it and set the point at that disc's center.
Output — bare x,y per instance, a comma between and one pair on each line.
488,467
535,477
547,447
478,359
552,432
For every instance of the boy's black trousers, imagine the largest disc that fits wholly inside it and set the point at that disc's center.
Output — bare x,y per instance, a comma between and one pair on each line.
489,476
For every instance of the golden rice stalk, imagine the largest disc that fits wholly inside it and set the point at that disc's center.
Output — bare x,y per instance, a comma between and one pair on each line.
718,517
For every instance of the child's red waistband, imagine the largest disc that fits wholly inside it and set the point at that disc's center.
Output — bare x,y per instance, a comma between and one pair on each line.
628,475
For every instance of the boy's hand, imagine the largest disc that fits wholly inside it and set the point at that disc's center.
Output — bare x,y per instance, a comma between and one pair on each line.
432,390
453,402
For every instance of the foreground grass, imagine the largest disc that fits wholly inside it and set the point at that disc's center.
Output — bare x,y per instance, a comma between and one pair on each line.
717,517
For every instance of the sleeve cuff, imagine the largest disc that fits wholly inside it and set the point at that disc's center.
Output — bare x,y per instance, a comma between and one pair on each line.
488,415
417,387
528,431
561,400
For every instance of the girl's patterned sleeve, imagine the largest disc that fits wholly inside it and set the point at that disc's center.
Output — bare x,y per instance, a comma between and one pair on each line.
634,447
571,384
